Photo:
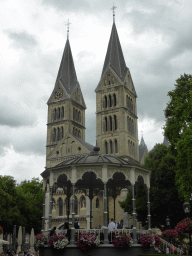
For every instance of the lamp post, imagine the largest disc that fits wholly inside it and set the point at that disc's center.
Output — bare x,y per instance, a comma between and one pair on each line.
168,222
186,208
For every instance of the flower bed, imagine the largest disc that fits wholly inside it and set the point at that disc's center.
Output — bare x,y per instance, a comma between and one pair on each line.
146,240
184,226
87,240
169,233
40,240
122,240
58,241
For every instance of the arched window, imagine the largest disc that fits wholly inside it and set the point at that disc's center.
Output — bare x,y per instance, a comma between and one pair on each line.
76,205
127,101
59,113
114,100
79,116
129,151
83,202
76,132
73,130
58,134
110,101
110,123
76,115
60,202
133,150
79,134
111,147
73,113
115,122
53,204
62,112
54,114
109,82
106,124
106,147
54,135
62,133
105,105
116,146
97,202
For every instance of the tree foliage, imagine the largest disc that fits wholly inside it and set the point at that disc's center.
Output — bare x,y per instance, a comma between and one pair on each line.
163,191
20,205
178,130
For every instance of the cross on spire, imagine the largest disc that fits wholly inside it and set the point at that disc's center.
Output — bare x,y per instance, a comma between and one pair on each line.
113,8
68,24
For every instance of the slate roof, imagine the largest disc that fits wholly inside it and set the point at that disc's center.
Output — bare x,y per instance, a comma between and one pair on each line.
142,148
85,144
67,74
114,56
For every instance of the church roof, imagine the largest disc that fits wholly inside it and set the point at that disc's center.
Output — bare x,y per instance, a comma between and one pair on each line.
142,148
67,74
114,56
142,143
85,144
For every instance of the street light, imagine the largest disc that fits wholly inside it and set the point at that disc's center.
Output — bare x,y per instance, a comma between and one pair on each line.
186,208
168,222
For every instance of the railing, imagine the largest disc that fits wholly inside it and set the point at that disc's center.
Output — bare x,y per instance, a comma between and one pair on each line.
99,232
170,247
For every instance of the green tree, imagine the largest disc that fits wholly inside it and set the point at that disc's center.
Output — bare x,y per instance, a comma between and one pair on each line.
178,130
163,191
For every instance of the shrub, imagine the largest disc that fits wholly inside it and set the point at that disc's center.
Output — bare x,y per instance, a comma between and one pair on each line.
40,240
122,240
87,239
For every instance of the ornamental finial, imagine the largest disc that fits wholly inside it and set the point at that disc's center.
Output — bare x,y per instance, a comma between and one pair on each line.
68,24
113,8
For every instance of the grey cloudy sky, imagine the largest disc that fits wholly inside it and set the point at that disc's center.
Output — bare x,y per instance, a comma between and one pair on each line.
156,40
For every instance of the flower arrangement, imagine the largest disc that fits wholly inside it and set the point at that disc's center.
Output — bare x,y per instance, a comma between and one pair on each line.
184,225
40,240
169,233
87,239
146,240
1,230
58,241
157,241
122,240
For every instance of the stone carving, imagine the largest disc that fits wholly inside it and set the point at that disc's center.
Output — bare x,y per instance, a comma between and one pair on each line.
67,172
81,171
111,172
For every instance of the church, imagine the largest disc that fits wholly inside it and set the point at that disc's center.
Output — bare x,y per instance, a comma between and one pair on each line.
68,154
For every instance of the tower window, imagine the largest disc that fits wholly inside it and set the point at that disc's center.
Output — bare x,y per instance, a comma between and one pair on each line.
110,123
62,112
106,124
59,114
105,103
116,146
58,134
62,133
111,147
114,100
106,147
110,101
115,121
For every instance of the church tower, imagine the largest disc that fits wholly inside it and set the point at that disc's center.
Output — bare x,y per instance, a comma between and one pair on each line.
66,111
116,108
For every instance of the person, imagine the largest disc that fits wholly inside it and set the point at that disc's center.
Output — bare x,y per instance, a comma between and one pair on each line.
167,250
120,225
111,224
52,232
77,224
68,234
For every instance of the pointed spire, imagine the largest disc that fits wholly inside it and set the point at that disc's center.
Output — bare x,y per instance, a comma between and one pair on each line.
142,143
68,24
166,142
114,56
113,8
67,74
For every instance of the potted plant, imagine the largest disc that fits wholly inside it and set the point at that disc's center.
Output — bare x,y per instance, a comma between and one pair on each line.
58,241
86,240
122,240
184,226
40,240
146,240
157,241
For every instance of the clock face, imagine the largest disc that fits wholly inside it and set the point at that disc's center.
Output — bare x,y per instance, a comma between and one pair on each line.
58,94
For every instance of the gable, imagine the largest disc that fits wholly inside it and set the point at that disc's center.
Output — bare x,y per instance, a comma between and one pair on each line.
58,93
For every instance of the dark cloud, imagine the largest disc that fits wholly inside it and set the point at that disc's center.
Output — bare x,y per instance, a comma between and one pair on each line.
15,114
22,40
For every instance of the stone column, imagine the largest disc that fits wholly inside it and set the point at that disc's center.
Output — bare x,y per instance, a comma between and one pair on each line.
134,216
50,207
106,240
149,215
73,217
91,213
43,217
